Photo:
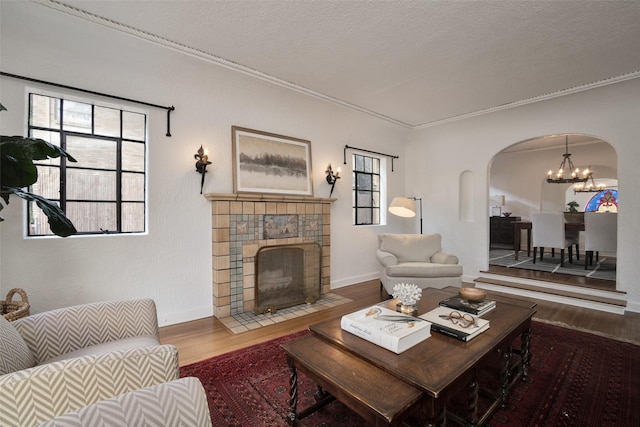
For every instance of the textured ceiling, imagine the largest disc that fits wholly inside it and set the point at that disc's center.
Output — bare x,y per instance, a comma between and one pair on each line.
414,63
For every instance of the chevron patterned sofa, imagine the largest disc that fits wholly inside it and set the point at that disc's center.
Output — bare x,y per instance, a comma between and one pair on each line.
59,361
181,402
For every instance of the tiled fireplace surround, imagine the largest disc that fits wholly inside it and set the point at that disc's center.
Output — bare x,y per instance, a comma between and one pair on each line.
237,222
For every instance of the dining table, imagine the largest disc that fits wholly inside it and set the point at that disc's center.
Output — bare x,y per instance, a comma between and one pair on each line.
518,226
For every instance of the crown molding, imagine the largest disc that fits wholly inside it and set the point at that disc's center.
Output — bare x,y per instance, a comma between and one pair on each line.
70,10
557,94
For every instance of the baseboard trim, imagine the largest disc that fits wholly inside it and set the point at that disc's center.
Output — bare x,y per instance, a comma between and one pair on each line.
354,280
185,316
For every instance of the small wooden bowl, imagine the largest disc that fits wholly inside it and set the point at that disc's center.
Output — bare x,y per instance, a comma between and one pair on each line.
473,294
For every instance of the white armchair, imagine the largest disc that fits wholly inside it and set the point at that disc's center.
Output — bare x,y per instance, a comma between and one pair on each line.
59,361
416,259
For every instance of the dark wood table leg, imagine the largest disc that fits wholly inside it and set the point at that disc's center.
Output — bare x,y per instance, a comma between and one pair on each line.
525,353
528,242
505,376
439,421
293,392
516,240
472,403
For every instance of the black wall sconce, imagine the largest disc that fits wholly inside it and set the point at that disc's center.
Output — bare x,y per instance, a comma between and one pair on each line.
201,165
332,177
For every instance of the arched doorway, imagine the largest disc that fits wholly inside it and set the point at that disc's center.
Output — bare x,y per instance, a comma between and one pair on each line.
517,181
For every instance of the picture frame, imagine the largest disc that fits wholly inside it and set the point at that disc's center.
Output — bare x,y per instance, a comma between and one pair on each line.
265,162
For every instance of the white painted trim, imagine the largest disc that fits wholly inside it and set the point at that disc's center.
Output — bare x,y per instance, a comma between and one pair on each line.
557,94
61,7
560,287
633,306
554,298
355,279
186,316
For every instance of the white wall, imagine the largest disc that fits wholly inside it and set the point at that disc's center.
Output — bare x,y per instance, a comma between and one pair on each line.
172,263
521,177
438,155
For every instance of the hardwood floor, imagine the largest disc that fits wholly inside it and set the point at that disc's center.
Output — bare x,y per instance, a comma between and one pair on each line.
204,338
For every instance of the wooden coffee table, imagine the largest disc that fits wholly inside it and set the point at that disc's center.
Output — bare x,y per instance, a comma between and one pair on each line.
385,387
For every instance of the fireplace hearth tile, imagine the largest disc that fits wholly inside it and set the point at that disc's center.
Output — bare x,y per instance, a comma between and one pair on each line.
243,322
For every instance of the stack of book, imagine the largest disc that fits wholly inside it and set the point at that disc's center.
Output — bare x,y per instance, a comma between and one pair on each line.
477,308
462,326
387,328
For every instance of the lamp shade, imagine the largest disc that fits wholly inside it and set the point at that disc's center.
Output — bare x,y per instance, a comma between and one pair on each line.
497,200
402,206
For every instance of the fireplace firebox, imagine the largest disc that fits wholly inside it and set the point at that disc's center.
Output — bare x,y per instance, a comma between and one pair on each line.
287,275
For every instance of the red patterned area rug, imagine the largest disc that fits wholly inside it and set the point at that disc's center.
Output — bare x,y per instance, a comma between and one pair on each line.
576,379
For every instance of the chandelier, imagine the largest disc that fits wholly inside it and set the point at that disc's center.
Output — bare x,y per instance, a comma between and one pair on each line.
588,186
567,172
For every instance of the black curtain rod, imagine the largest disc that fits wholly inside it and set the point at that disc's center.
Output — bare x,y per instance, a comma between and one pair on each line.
169,109
346,147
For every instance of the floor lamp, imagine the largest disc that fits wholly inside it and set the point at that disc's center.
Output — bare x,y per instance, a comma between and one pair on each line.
406,207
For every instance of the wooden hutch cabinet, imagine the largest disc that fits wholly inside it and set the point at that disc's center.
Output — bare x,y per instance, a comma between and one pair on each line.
501,231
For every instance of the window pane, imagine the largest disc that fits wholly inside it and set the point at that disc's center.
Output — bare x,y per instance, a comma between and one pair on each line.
38,221
363,181
366,190
133,217
43,112
52,138
367,164
133,125
375,199
376,216
133,156
106,121
364,198
76,116
375,185
364,216
48,184
92,152
85,184
133,187
92,216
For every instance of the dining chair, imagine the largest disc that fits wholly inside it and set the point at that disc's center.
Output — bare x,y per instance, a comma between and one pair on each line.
600,234
548,231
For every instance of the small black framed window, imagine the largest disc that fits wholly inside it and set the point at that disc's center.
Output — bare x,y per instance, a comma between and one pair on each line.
366,190
104,192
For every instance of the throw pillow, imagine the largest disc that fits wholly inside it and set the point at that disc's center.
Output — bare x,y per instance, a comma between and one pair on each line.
14,353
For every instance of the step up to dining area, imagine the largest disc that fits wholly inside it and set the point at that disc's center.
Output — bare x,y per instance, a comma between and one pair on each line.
588,293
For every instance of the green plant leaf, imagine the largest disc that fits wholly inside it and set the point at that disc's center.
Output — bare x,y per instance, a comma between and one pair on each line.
31,148
59,223
16,159
18,171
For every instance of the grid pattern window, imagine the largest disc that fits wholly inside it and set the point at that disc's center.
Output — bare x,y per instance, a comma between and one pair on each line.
104,191
366,190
